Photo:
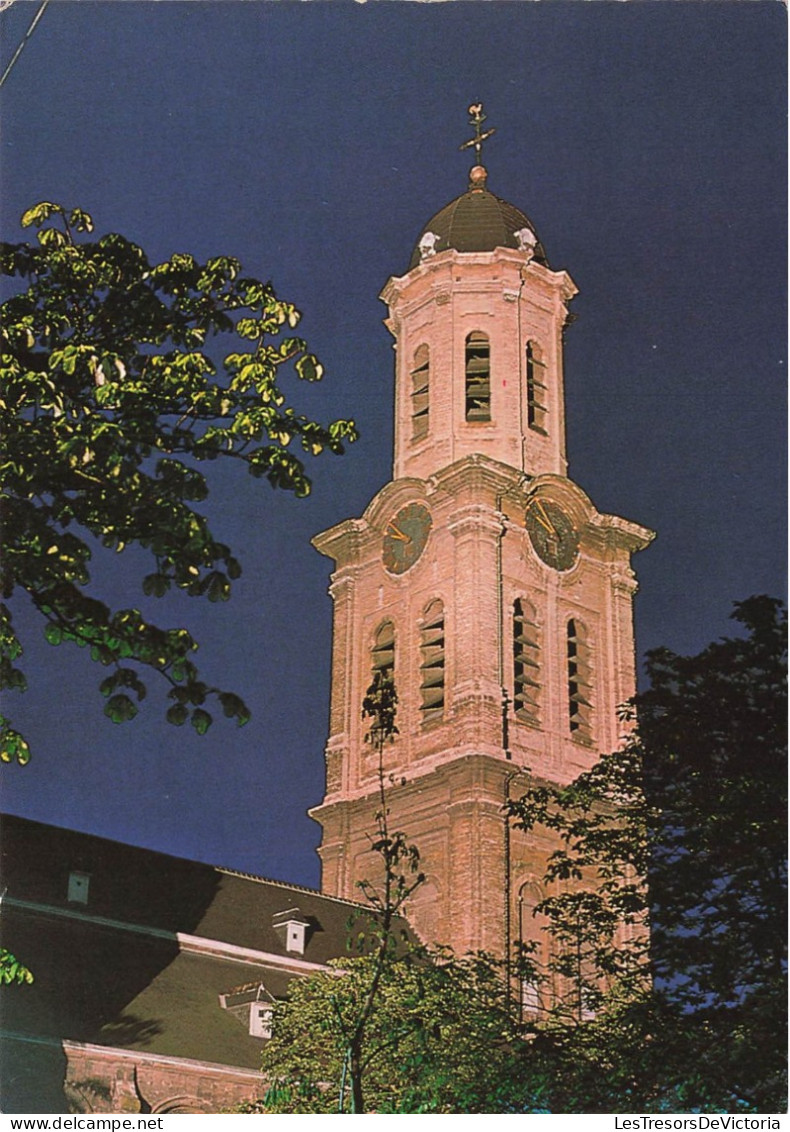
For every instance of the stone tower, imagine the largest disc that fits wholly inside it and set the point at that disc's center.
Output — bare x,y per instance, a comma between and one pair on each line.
481,578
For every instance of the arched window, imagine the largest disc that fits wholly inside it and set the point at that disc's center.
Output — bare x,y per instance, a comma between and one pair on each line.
536,389
478,377
579,680
526,661
533,947
383,665
420,382
432,661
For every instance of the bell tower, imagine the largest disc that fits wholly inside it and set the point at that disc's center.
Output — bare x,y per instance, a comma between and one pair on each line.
481,578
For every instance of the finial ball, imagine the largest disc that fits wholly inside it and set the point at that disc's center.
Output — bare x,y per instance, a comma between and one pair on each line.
478,175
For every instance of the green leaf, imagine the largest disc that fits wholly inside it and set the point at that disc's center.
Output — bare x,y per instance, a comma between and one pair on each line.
39,213
156,585
309,368
201,721
248,328
53,633
13,746
52,238
80,220
177,714
218,587
234,707
120,709
11,970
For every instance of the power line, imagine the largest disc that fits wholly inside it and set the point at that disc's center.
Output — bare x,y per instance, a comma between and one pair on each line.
25,38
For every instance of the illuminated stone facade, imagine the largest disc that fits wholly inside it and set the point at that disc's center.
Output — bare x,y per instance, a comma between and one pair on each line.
482,578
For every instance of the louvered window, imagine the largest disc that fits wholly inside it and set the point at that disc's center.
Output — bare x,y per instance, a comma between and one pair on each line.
420,381
432,661
478,378
536,389
579,680
526,661
384,652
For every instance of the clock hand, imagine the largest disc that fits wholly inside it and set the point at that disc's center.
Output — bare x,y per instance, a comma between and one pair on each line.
545,520
395,533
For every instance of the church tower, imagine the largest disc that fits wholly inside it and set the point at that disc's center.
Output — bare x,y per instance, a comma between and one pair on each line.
481,578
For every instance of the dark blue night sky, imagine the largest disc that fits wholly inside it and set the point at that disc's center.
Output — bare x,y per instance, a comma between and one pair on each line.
313,140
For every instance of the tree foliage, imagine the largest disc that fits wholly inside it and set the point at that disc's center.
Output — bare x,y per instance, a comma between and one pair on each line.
714,732
355,1012
111,403
696,804
666,925
439,1038
596,916
400,877
12,970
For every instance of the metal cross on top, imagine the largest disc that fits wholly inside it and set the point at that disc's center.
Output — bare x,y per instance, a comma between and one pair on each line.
476,119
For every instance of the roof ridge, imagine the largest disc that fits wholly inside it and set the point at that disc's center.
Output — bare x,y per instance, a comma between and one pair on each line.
296,887
4,815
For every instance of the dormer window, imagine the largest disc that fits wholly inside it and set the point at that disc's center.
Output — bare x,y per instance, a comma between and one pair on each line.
536,389
79,884
252,1006
478,377
261,1015
420,381
291,927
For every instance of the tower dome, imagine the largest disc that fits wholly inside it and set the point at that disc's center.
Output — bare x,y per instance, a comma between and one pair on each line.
477,221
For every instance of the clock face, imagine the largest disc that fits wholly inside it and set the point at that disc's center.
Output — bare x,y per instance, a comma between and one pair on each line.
405,536
552,533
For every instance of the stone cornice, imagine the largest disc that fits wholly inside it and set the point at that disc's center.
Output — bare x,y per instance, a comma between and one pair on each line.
565,491
542,294
115,1054
344,542
393,496
477,471
623,532
446,769
198,945
350,541
600,529
397,285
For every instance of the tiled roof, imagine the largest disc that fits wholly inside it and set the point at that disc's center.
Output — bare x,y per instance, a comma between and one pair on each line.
143,963
477,221
145,887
